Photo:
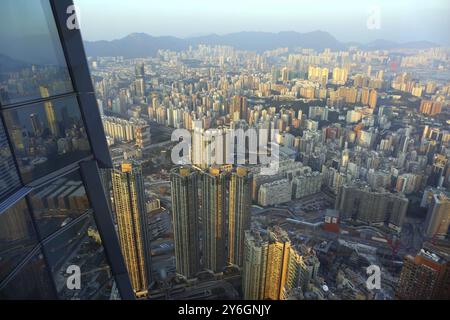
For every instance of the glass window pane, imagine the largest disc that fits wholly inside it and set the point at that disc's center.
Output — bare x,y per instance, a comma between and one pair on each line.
81,246
109,291
9,179
47,136
58,203
17,237
32,63
32,282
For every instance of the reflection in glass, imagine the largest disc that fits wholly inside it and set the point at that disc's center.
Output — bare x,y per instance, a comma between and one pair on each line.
32,282
58,203
17,237
9,179
109,291
31,56
79,245
47,136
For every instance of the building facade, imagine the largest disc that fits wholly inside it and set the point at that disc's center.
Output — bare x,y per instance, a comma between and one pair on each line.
437,223
214,215
185,211
132,222
239,214
374,207
426,275
272,267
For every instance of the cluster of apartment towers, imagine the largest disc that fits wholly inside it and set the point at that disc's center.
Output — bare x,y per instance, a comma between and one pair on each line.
212,230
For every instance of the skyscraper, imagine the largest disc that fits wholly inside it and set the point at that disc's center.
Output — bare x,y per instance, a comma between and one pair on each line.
239,108
438,218
54,217
239,214
50,112
36,124
271,265
425,276
185,212
129,203
214,211
373,97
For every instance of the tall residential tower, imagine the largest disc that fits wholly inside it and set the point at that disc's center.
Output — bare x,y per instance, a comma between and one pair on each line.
214,211
272,266
239,214
130,213
185,212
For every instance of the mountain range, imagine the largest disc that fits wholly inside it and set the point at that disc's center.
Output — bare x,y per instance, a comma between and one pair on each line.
143,45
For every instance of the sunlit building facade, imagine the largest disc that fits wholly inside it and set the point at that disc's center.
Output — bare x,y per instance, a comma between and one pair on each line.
185,211
271,265
214,214
132,222
239,214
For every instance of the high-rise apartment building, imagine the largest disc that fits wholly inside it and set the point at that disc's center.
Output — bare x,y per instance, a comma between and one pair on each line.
55,222
437,223
318,74
121,130
132,222
185,211
271,265
239,214
340,75
276,192
214,213
212,205
374,207
365,95
373,98
425,276
239,107
430,107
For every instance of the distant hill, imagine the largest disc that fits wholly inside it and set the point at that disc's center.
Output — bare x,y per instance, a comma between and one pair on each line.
7,64
32,49
134,45
142,45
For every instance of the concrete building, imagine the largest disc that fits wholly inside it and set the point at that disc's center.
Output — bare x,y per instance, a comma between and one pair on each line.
306,184
425,276
275,192
438,218
239,214
214,207
374,207
271,265
185,211
132,222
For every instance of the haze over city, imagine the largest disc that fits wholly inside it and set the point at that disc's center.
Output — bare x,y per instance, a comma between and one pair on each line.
401,21
234,150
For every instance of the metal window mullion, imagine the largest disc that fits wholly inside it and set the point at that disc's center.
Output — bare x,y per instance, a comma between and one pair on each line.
39,101
103,219
11,148
75,57
40,242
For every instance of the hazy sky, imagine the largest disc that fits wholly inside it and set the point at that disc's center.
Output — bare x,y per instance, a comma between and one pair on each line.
400,20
